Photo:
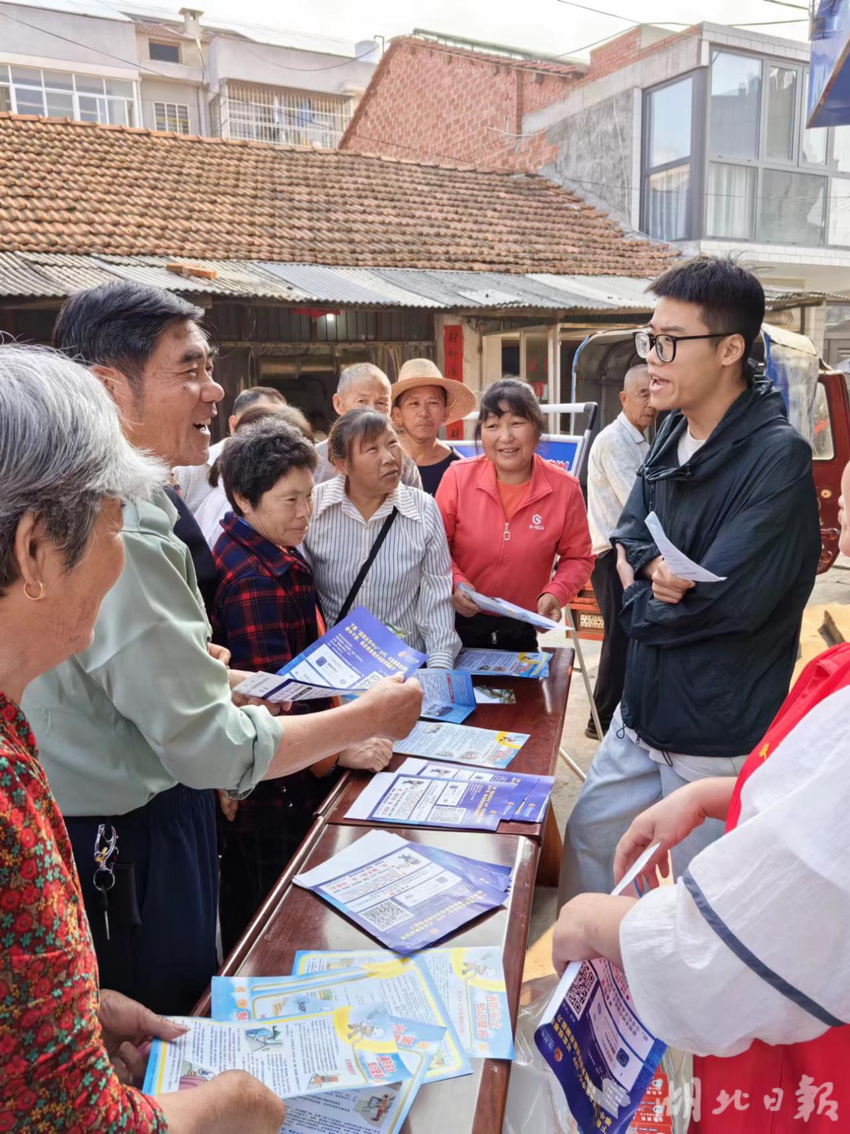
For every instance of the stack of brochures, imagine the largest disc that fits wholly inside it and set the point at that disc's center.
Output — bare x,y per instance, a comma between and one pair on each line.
390,1025
407,895
442,795
594,1041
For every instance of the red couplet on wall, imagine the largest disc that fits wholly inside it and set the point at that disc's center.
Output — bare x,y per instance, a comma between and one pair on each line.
453,352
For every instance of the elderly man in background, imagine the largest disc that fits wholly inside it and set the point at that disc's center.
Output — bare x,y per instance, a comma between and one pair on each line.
423,402
363,386
132,726
617,454
193,480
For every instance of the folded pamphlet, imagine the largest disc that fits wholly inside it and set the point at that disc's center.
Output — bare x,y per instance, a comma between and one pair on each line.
503,663
676,560
407,895
509,610
483,747
405,985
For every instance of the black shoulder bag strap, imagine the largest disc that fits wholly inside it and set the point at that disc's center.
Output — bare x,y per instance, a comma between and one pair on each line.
364,570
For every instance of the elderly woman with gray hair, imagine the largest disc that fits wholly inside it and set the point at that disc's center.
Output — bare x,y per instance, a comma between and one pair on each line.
69,1050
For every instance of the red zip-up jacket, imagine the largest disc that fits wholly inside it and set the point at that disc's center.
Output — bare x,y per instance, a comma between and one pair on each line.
513,559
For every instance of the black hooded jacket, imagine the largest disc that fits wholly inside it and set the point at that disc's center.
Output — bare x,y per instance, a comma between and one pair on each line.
706,676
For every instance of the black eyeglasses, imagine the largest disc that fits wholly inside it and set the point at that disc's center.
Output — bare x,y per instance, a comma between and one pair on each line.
665,345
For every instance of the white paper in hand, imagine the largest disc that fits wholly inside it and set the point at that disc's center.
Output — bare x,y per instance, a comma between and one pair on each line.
677,561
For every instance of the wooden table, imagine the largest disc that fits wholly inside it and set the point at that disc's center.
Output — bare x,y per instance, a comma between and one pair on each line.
291,918
299,919
540,710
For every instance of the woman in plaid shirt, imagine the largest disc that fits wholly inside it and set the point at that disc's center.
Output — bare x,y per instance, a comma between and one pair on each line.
266,613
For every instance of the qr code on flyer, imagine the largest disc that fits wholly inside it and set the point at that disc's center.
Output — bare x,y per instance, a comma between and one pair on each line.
385,914
581,989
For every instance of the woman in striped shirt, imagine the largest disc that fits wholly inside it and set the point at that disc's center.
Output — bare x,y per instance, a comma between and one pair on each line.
409,583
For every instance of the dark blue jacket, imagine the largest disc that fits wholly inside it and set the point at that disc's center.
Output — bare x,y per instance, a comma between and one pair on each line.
706,676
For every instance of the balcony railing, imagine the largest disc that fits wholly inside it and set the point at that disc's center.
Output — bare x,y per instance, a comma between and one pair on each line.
289,118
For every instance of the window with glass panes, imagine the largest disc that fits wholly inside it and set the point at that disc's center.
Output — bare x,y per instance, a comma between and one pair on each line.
172,117
671,140
766,176
61,94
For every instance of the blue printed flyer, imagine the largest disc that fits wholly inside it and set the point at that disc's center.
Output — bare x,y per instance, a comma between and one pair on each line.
503,663
594,1041
530,794
349,659
407,895
392,797
449,694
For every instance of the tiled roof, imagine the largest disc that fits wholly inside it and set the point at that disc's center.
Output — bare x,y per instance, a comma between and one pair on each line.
80,188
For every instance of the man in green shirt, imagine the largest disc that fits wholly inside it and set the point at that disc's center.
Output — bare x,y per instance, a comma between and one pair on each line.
132,728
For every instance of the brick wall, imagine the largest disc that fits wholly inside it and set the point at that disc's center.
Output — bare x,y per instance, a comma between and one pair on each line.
433,105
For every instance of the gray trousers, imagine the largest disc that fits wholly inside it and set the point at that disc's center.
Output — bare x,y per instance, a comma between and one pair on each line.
622,781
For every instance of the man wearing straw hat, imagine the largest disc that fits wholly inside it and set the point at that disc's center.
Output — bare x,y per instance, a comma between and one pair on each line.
423,401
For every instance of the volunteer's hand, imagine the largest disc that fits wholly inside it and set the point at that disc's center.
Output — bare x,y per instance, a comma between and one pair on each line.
670,821
126,1026
228,806
667,587
229,1104
463,604
667,822
236,677
589,927
624,568
549,607
220,653
394,706
370,756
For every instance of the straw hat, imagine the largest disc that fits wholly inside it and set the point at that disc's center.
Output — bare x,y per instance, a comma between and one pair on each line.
460,400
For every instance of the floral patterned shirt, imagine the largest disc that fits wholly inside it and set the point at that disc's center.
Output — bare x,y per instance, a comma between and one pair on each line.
55,1074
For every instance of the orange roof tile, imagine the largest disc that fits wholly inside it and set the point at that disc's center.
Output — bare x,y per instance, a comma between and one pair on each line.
81,188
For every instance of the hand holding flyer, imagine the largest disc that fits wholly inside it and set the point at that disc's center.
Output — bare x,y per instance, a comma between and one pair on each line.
352,657
676,560
591,1037
509,610
319,1051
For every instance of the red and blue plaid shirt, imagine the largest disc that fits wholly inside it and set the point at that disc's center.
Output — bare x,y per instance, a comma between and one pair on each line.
266,613
265,608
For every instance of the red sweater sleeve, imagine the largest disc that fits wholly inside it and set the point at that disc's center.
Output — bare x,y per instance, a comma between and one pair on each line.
55,1073
575,550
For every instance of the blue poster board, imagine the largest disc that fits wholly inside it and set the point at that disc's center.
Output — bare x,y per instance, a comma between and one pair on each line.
561,451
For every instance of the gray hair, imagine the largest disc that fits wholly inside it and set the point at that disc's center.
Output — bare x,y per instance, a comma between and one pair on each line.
357,373
61,452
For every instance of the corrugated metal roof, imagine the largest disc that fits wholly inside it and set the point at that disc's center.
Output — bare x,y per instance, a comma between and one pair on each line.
42,275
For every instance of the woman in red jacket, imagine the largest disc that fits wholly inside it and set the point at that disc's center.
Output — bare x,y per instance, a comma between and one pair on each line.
745,960
509,515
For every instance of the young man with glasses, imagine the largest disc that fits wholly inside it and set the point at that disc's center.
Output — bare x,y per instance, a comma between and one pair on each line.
730,481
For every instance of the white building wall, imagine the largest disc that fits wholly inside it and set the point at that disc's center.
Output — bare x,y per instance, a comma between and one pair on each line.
67,42
187,94
267,65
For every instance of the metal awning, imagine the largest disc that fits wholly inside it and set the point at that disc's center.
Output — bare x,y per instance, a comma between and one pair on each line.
45,275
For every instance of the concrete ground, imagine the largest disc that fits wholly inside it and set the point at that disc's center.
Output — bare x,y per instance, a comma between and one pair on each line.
831,589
